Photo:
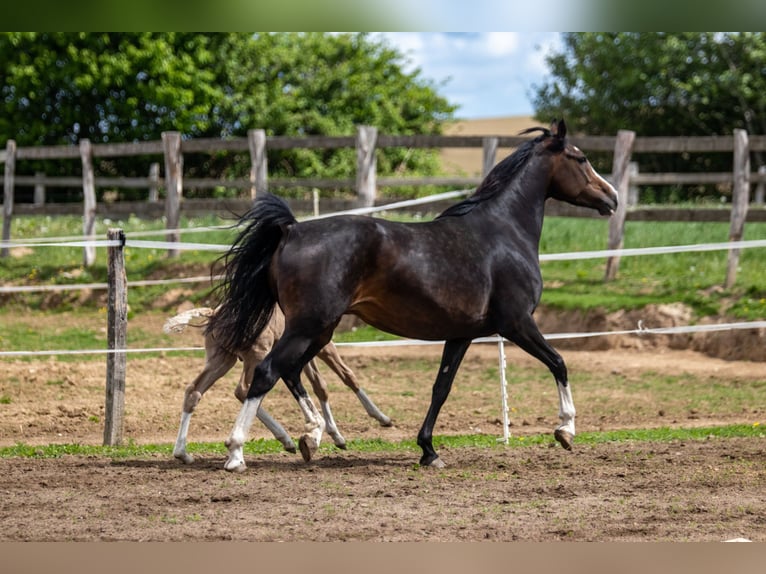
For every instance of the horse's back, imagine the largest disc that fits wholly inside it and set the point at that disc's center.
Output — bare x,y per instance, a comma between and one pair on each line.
416,279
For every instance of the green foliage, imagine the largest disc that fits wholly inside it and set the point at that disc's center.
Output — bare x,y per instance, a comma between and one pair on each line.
660,84
119,87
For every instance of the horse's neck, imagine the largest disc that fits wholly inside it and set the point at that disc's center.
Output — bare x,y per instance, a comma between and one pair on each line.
524,201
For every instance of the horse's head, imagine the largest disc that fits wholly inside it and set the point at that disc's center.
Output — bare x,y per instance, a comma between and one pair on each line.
573,178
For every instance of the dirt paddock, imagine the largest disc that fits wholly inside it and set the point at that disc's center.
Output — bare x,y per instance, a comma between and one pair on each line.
695,490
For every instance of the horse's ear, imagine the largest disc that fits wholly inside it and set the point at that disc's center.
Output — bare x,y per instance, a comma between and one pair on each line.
559,129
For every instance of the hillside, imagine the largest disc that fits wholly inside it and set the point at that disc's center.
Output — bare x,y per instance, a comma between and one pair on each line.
467,161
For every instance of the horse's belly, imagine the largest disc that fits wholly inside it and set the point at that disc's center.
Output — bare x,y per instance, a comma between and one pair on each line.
414,320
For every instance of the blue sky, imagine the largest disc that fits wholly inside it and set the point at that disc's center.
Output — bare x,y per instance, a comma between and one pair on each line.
488,74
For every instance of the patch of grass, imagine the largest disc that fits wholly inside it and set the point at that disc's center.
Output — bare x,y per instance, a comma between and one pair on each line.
271,446
685,277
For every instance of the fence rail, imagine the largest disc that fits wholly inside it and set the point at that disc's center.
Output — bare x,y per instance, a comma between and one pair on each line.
171,148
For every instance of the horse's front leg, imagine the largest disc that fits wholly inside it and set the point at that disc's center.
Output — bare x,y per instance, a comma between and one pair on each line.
565,432
526,335
452,355
315,425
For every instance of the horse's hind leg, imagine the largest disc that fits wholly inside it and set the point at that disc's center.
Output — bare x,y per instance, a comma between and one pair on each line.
218,362
329,354
528,337
452,356
319,386
250,359
285,360
250,362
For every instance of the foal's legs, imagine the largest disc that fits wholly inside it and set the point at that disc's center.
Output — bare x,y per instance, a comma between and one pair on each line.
452,355
285,360
527,336
320,390
329,355
218,362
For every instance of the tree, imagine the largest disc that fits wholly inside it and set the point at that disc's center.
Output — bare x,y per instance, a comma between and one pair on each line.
659,84
56,88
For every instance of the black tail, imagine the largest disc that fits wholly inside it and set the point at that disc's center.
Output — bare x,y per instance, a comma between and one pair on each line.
246,298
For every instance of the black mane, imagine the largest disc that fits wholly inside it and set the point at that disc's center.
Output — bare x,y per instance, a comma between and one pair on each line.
498,177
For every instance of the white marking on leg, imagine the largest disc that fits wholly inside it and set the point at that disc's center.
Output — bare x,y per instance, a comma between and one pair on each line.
331,427
309,442
276,429
179,450
566,408
372,409
315,424
239,433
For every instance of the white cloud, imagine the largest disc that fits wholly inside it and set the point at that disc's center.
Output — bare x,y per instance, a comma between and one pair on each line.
485,73
501,43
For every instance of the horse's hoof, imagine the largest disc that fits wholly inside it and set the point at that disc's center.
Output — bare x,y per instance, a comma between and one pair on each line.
564,437
184,458
241,467
308,447
291,448
386,422
341,446
436,462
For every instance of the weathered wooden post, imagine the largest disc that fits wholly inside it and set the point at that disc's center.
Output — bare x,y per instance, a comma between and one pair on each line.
89,202
38,198
623,148
760,196
366,164
154,182
116,332
739,201
489,152
256,141
8,185
171,142
633,193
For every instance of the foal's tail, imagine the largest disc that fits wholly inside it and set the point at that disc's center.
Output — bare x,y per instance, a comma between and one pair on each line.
247,300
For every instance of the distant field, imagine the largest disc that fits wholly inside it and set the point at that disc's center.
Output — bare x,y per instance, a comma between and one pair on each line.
467,161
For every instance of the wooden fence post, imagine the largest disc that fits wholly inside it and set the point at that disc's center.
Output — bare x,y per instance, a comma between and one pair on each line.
8,185
633,193
39,194
760,188
489,153
366,164
623,148
256,142
89,202
739,201
117,328
154,182
171,142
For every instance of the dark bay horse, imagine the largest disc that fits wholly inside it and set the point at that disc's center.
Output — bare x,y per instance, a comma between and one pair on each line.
471,272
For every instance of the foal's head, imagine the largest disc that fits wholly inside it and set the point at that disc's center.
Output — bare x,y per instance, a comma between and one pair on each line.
573,178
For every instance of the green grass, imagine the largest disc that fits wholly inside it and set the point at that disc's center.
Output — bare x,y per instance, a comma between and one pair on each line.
691,278
270,446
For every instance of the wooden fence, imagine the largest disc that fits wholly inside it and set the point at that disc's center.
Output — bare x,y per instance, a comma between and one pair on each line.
624,146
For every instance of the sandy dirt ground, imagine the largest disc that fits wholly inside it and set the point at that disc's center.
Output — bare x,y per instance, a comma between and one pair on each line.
705,490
